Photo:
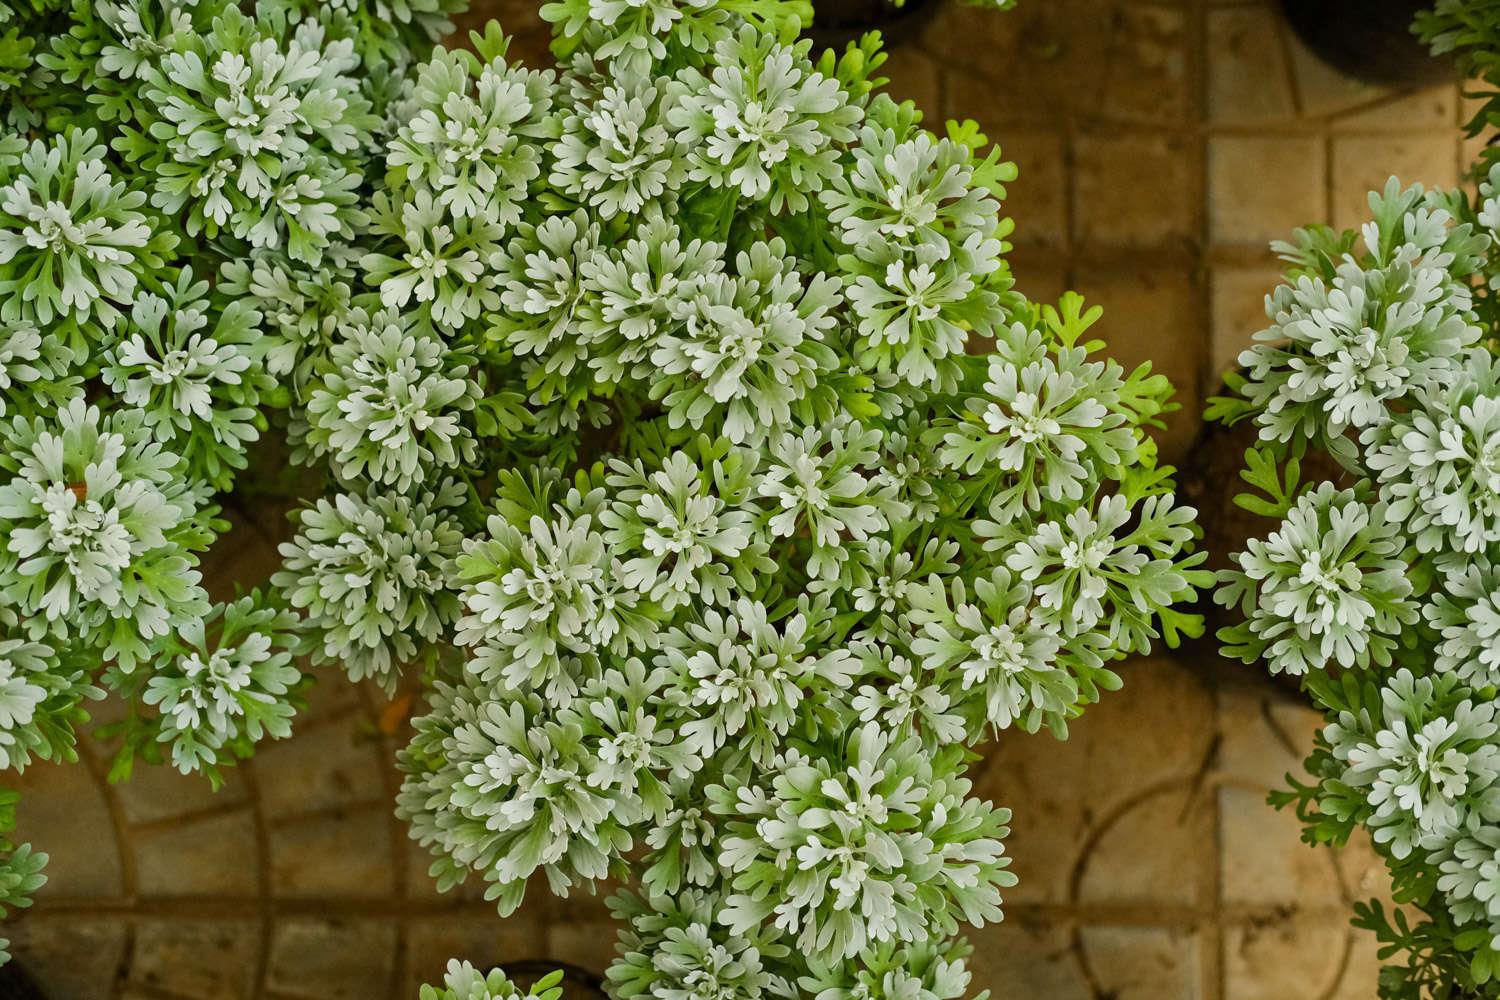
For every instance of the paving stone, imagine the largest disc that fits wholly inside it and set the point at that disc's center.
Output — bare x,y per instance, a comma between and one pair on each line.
515,15
1026,957
1146,65
158,793
1249,78
215,855
1261,187
1059,792
64,813
1155,313
417,884
1048,828
346,854
245,556
1322,90
1039,279
1238,307
1297,722
1044,63
1156,851
330,695
1278,958
334,764
1255,746
583,905
1433,108
1262,860
333,959
76,959
1361,970
1362,872
1142,963
111,708
421,886
1167,711
1037,198
915,76
588,944
971,38
520,19
206,960
1128,189
1363,163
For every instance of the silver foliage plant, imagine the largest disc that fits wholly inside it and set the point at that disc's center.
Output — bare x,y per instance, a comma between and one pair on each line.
1380,592
790,499
688,448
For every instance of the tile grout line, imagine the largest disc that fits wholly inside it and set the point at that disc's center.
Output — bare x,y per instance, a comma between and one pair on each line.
385,760
126,854
1211,941
262,880
178,822
232,909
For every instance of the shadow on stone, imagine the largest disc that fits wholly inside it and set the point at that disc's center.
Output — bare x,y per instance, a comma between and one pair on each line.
1209,480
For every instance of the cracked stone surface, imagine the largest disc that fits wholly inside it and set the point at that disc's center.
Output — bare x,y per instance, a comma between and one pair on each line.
1161,144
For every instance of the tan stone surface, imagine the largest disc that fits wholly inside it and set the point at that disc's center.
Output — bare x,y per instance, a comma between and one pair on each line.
1362,163
1150,867
196,958
1038,199
1237,294
1249,80
202,857
1142,963
1262,186
1161,145
343,958
1149,309
1128,190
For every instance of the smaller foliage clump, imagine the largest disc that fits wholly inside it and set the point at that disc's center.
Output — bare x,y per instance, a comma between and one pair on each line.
1381,592
1468,32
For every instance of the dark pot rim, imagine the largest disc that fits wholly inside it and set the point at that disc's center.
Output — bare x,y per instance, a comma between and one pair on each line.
896,25
17,984
543,966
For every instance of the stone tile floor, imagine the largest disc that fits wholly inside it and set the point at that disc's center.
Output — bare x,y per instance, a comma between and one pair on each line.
1162,144
1150,867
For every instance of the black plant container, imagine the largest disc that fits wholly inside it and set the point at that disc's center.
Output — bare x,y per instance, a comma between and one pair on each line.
836,23
15,984
577,984
1370,40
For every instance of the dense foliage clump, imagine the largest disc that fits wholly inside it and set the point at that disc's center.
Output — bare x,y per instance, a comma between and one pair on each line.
787,497
675,426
